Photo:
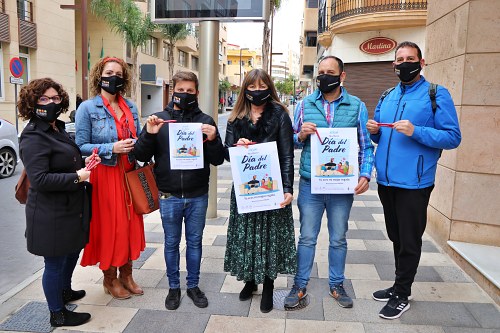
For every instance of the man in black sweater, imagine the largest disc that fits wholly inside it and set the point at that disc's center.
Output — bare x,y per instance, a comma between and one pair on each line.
183,193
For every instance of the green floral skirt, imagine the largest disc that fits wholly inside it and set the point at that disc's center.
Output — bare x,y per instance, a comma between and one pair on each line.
260,244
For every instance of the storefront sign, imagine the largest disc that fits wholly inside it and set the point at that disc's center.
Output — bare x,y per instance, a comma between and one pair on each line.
378,45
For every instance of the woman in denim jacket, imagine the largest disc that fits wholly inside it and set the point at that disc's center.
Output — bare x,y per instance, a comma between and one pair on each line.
110,124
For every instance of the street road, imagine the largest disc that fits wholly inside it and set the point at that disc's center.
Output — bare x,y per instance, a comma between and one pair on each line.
16,263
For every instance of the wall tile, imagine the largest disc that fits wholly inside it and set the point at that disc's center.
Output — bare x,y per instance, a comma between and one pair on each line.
481,84
483,27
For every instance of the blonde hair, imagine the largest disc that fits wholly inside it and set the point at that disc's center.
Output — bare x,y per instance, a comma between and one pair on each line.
96,72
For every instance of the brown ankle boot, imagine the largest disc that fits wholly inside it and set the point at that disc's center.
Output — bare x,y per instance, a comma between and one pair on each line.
113,286
127,280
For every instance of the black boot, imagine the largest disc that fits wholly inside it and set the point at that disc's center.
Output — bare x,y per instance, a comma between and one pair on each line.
247,291
70,295
266,303
68,318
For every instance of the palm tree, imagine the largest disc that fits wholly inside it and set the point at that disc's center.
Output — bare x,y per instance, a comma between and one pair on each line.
274,5
173,33
125,18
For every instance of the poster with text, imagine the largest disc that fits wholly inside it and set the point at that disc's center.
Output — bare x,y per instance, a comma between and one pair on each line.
257,177
334,160
186,146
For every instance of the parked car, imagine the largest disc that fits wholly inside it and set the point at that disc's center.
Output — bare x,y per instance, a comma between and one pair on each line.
9,149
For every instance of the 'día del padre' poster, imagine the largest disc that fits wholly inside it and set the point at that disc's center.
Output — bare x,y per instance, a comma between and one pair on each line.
186,146
257,177
334,160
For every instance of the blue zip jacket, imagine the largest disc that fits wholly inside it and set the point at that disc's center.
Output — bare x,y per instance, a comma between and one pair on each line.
95,127
411,162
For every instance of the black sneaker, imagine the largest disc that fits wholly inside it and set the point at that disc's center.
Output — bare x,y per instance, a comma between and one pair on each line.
173,299
385,294
198,297
395,307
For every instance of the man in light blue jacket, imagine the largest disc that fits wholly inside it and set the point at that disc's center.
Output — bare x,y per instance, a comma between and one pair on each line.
411,134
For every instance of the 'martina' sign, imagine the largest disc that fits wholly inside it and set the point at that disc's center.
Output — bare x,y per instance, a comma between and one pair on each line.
186,11
378,45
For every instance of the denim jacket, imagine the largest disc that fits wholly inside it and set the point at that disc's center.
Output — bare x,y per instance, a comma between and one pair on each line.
95,127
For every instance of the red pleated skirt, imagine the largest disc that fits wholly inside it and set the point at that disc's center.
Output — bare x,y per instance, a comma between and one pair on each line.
115,235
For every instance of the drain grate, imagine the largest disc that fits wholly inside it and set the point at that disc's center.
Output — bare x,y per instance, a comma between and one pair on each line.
33,317
279,301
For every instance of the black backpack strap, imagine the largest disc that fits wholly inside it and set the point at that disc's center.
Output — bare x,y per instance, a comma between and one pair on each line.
432,96
385,93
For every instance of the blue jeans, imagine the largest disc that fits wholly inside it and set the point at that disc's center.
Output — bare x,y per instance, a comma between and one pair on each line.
193,211
56,277
311,208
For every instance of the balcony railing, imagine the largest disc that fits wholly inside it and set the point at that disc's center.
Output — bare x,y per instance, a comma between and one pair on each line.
346,8
4,23
2,6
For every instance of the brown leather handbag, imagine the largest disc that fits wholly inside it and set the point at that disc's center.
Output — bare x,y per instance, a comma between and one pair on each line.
22,186
141,185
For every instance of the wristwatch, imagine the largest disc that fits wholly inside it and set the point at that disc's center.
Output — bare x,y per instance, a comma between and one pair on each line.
78,179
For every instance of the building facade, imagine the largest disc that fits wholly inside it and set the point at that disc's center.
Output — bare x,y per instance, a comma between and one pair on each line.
32,32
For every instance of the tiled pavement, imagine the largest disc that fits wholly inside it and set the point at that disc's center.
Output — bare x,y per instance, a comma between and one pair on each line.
445,298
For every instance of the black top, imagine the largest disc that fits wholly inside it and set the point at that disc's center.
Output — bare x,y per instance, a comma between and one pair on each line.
274,125
180,183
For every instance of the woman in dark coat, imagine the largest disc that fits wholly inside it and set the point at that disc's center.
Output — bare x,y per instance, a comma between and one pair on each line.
261,245
56,222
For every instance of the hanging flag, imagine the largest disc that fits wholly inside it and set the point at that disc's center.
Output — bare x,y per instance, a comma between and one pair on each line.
88,56
102,48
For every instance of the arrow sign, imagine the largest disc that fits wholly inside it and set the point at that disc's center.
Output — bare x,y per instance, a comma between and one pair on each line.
16,67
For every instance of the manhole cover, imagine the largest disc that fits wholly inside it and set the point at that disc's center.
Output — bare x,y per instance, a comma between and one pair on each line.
33,317
279,301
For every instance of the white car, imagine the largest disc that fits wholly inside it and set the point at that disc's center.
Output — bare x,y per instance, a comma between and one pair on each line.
9,149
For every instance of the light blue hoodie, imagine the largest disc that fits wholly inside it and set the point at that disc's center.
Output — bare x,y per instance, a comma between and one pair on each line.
411,162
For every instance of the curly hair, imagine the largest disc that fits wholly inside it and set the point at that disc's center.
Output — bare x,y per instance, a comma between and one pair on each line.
96,71
29,95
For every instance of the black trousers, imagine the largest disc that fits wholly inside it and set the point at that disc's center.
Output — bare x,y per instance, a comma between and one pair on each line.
405,213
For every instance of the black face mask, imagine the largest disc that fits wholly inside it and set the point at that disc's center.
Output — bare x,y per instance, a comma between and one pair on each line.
112,84
327,83
258,97
185,101
407,71
48,112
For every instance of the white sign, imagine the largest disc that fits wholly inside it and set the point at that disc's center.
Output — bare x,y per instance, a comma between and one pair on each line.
257,177
159,81
186,146
334,160
16,80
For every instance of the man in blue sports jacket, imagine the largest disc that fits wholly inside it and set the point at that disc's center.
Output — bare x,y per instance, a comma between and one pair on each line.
410,137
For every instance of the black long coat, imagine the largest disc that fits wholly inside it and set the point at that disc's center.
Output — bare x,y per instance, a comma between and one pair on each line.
55,224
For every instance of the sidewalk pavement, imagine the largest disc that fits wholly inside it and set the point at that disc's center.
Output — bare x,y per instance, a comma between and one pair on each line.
445,298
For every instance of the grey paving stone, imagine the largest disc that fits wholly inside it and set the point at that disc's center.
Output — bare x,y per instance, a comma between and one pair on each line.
391,327
364,311
296,223
424,273
155,237
148,278
226,194
160,321
370,225
439,314
33,317
220,240
216,252
153,299
218,220
364,213
148,251
218,303
365,234
428,246
487,315
317,289
369,257
208,281
223,206
364,197
469,330
452,274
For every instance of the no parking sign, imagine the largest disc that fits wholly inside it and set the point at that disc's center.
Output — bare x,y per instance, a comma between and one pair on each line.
16,67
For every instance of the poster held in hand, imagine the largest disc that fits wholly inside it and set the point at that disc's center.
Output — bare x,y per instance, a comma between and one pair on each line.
334,161
257,177
186,146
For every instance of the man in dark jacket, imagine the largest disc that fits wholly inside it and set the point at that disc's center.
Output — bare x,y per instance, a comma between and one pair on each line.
183,193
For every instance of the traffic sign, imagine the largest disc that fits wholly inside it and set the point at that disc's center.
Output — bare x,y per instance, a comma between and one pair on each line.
16,80
16,67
